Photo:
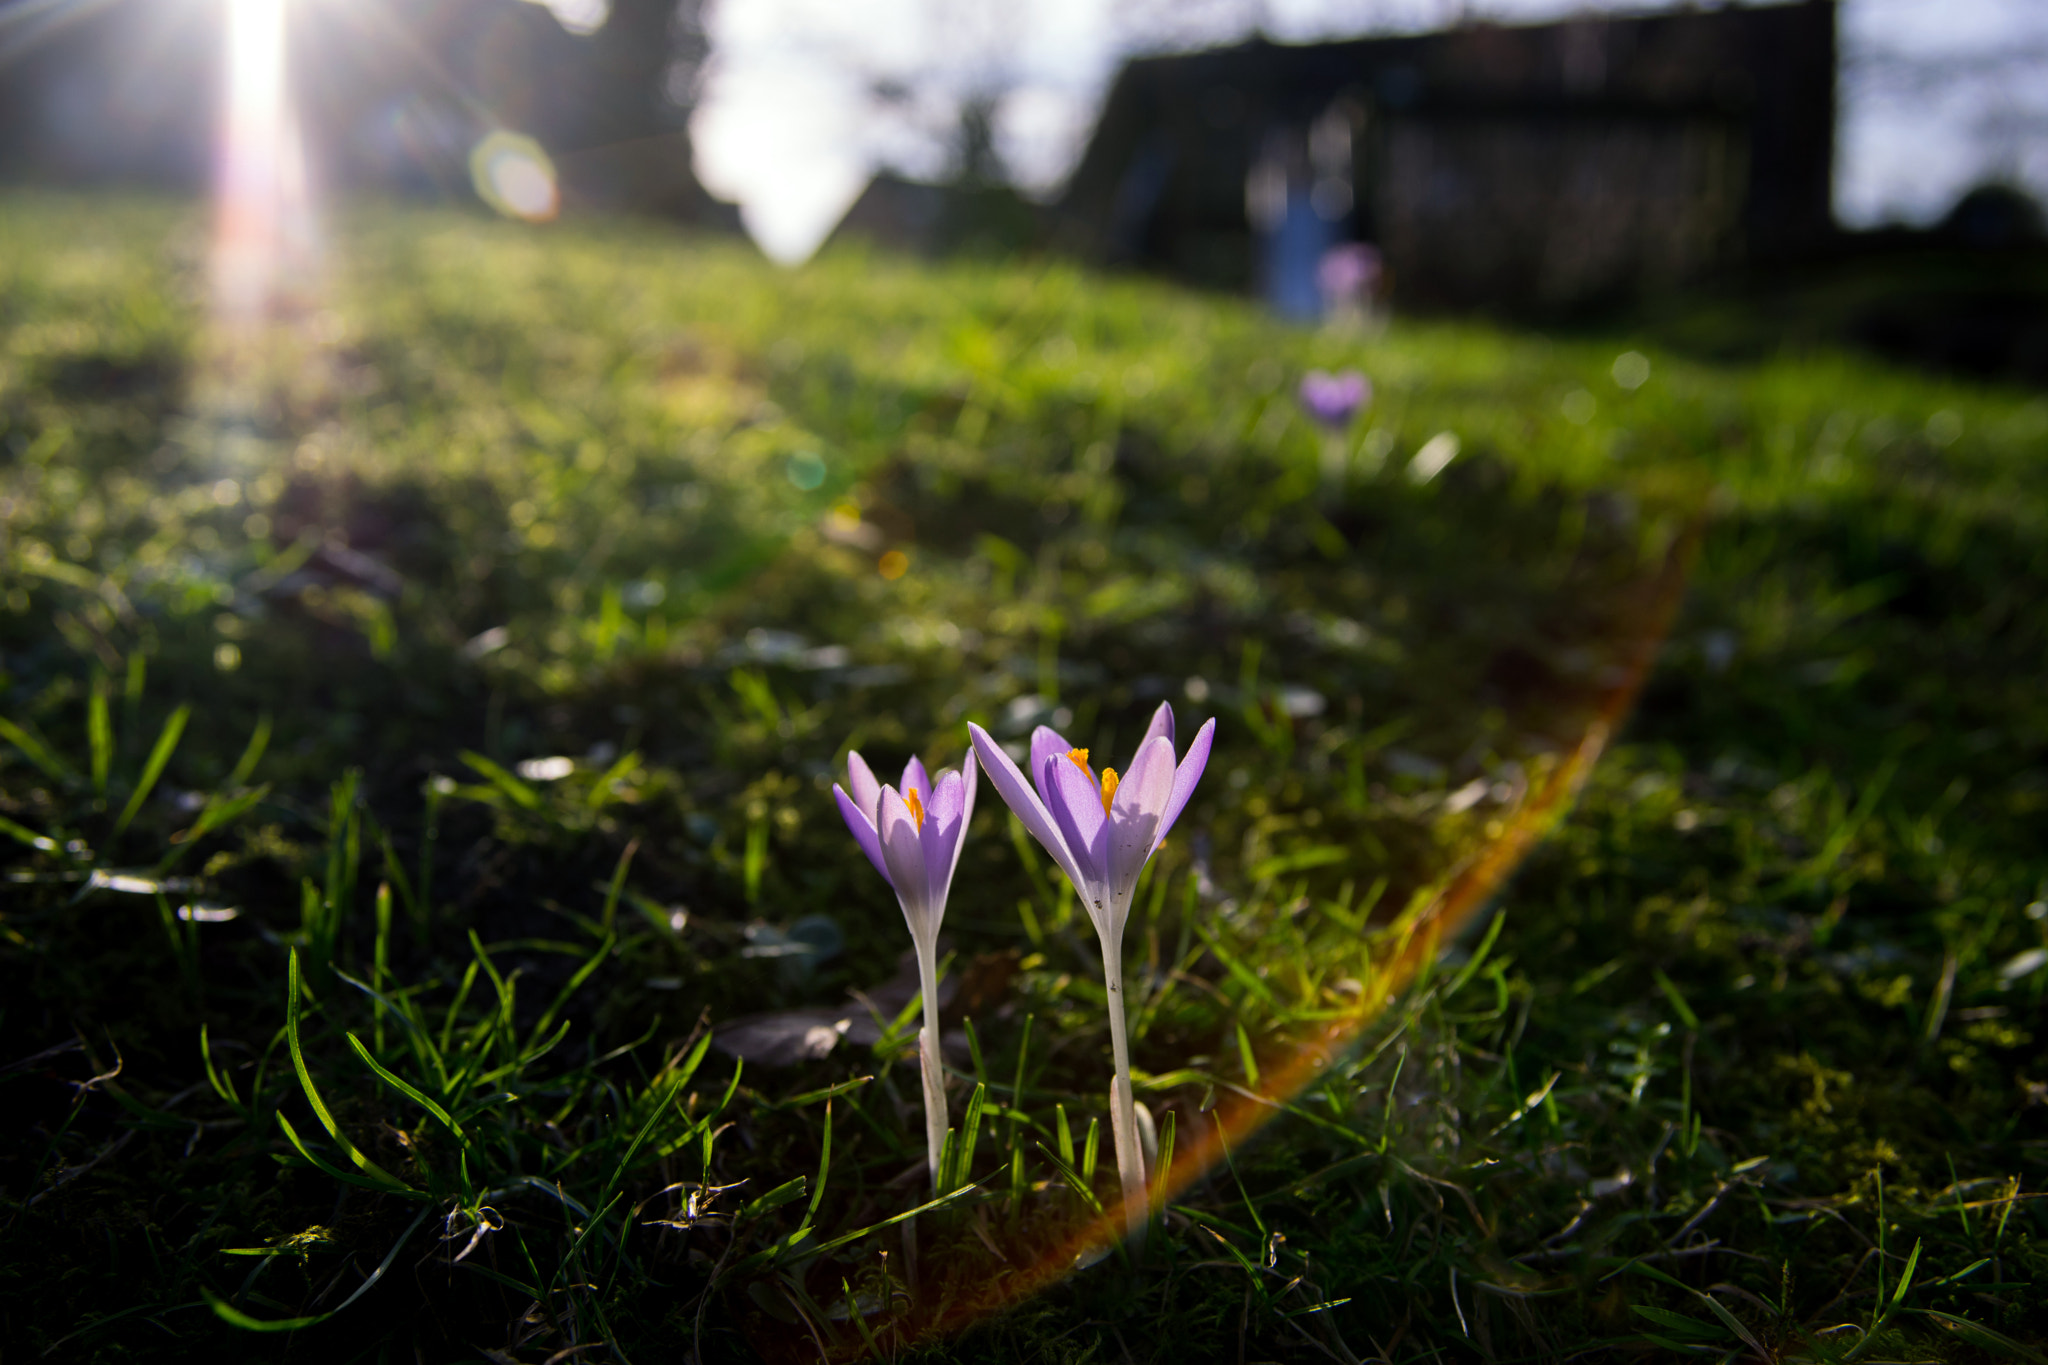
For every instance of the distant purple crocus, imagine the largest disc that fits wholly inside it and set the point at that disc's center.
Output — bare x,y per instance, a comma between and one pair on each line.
913,837
1332,400
1102,830
1349,275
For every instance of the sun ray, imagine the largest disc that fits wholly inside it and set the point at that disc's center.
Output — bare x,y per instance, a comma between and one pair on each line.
262,217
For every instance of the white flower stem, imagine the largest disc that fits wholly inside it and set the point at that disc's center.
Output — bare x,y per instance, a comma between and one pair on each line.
1123,1117
928,1057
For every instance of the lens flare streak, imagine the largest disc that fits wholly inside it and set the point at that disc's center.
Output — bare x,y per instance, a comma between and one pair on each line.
1242,1112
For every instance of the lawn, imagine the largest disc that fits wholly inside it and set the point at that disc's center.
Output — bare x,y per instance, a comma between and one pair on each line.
1613,922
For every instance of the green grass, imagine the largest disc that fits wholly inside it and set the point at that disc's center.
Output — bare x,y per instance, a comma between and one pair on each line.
1743,1061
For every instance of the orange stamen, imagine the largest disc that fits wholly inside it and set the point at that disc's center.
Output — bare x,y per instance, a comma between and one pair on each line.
1079,757
1108,788
916,806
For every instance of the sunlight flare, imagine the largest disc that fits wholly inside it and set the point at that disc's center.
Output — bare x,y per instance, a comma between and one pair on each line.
262,227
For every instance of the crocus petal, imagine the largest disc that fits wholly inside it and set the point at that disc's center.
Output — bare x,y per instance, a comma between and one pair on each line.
940,836
1140,800
903,850
968,773
1185,778
860,781
1077,807
1023,801
1162,724
863,831
1046,742
942,805
914,780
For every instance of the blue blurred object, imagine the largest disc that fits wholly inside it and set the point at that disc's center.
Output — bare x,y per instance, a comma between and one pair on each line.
1292,253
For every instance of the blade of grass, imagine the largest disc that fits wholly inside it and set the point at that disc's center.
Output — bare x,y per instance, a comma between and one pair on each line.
974,1051
166,743
402,1087
380,958
331,1170
430,824
217,812
1473,963
37,752
1017,1087
223,1085
1244,1262
522,795
1982,1337
1230,1160
131,689
582,974
252,753
694,1060
1239,973
1905,1280
970,1130
291,1024
618,884
344,852
494,1027
417,1034
394,870
824,1167
1734,1324
618,1174
813,1096
1073,1179
29,836
860,1323
230,1314
1245,1055
813,1249
1677,1322
788,1192
1678,1001
99,726
1163,1167
181,944
601,790
455,1006
235,1317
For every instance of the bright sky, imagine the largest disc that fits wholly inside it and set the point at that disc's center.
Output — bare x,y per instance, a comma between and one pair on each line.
788,128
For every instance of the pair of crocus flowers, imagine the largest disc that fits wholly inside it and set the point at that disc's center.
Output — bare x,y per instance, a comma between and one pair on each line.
1100,829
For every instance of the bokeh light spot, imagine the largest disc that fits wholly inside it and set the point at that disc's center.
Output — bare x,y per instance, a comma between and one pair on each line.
893,565
514,175
1436,453
1631,369
806,469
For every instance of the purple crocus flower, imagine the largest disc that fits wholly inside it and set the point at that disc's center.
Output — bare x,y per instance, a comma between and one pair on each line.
913,836
1332,400
1102,830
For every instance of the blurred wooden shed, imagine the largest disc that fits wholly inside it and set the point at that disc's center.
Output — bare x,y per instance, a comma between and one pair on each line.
1549,165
